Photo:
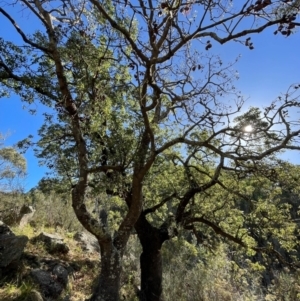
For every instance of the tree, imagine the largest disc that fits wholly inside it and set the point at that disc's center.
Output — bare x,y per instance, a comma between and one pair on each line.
12,168
133,84
12,173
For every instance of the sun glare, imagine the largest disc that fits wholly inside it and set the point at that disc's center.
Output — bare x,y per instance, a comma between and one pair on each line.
248,128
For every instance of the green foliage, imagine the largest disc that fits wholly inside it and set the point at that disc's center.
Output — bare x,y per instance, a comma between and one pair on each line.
207,276
53,210
12,167
141,118
17,292
285,287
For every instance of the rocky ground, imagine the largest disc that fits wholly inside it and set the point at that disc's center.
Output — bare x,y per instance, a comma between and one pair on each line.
44,264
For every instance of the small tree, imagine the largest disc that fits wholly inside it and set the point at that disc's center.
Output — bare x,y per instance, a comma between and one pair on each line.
12,173
12,168
132,84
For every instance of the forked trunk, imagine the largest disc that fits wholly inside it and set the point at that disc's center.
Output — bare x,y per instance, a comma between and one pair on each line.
112,248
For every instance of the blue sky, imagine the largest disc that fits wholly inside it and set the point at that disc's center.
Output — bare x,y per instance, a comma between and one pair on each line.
265,72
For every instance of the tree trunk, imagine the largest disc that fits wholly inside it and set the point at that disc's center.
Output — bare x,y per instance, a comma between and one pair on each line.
151,275
112,248
151,239
108,286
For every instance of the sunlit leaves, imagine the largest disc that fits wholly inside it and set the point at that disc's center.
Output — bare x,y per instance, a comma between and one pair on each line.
12,167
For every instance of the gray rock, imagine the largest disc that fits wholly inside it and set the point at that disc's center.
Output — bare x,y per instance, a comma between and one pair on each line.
53,242
25,215
62,274
87,241
11,246
49,286
51,281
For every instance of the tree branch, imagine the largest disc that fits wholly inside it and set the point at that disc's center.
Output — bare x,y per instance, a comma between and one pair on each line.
22,34
159,205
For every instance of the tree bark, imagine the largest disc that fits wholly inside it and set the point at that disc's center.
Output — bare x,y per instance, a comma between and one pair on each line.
108,284
151,239
151,275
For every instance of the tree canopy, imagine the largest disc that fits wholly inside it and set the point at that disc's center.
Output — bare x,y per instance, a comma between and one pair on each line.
136,93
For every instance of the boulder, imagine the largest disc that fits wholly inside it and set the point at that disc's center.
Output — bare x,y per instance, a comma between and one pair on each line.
53,243
87,241
51,282
25,216
11,247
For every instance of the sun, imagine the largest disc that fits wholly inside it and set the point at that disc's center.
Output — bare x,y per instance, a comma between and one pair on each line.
248,128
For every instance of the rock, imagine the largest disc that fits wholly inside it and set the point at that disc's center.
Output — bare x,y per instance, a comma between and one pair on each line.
61,274
25,215
49,287
52,281
88,242
35,296
53,242
11,247
59,247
